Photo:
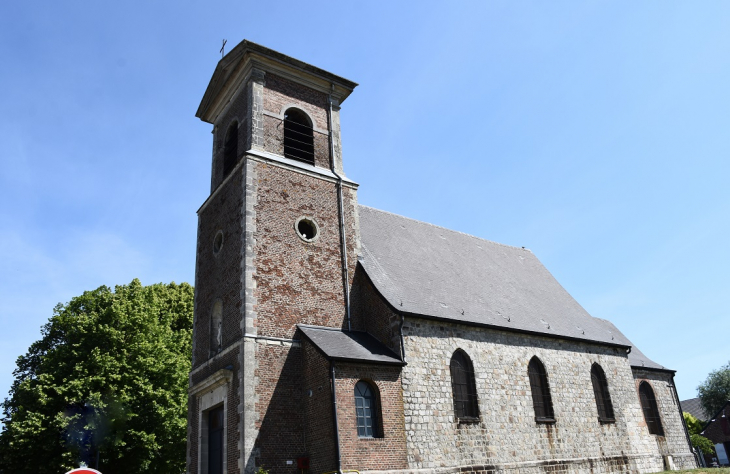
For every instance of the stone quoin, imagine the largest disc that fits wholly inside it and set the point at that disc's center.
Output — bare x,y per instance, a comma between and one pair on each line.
333,336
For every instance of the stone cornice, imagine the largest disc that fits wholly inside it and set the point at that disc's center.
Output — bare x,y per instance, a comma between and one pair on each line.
247,57
221,377
282,162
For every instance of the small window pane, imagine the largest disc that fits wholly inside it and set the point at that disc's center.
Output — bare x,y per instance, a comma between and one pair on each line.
364,410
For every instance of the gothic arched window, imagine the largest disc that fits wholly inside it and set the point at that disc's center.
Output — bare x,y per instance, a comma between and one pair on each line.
649,407
466,406
600,390
298,136
541,400
366,410
230,149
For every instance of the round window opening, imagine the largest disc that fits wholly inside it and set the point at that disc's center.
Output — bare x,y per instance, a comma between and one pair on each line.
218,242
307,229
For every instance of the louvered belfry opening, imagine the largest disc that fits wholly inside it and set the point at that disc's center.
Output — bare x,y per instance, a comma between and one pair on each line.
230,149
541,399
466,406
600,391
365,407
649,407
298,136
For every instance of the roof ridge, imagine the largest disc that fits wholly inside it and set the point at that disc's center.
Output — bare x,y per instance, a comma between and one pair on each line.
446,228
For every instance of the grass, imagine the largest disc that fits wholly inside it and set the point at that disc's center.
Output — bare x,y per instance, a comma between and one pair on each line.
702,470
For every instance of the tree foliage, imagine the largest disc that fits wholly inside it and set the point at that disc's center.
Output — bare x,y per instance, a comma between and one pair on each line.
109,375
714,392
702,443
694,426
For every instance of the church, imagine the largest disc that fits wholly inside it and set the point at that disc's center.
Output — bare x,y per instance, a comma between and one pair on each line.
333,337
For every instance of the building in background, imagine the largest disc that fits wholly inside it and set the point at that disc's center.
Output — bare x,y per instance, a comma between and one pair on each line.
717,430
693,406
333,336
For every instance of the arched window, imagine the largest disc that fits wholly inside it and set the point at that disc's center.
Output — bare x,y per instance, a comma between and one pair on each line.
216,329
298,136
230,149
651,412
600,390
466,406
541,399
366,410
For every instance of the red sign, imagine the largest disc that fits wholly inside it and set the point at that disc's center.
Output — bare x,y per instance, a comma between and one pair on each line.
83,470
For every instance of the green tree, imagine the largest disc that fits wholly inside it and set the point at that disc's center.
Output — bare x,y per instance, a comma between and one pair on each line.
704,444
714,392
108,378
694,426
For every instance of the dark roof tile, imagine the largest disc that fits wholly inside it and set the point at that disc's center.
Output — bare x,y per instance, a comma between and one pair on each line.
424,269
354,346
694,407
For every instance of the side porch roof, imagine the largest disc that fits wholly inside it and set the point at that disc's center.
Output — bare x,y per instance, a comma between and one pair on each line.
349,346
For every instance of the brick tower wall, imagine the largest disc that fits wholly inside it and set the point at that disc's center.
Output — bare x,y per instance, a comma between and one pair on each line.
218,276
293,281
267,278
318,416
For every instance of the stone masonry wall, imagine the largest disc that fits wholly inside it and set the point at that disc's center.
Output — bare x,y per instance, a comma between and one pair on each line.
674,441
507,436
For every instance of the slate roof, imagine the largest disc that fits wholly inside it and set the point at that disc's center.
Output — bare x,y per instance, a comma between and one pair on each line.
352,346
694,407
434,272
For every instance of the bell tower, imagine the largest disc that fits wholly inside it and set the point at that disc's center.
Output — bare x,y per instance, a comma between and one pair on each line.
277,245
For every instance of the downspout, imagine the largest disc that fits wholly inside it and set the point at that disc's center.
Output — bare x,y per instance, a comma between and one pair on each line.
343,239
402,342
681,417
334,412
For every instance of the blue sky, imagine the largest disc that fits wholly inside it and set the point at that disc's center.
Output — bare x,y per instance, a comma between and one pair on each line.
593,133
